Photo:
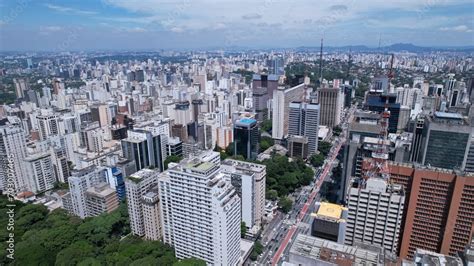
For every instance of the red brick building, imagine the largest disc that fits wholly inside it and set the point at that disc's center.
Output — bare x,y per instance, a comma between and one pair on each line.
439,209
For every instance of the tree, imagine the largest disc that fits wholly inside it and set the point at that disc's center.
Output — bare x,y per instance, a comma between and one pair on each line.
230,149
271,194
266,125
285,204
172,159
336,130
324,147
57,238
243,229
257,250
265,143
317,160
75,253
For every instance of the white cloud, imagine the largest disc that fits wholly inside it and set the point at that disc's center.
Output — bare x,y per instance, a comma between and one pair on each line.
177,29
64,9
252,16
136,29
459,28
50,28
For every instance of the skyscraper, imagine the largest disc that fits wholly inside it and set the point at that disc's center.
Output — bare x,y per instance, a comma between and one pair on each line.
246,138
79,182
48,124
331,101
282,97
201,211
249,181
377,103
375,214
137,186
145,148
304,121
39,168
445,141
439,209
12,154
151,215
101,198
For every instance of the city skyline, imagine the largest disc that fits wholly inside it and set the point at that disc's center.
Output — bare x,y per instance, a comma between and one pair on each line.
150,25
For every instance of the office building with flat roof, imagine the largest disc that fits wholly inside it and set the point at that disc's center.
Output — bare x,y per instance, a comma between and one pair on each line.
329,222
246,138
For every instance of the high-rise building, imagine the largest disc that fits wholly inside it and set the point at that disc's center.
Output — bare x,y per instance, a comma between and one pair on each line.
137,186
20,87
145,148
249,181
79,182
282,97
201,211
151,215
48,125
265,81
304,121
331,101
39,168
101,198
375,214
246,138
445,141
378,103
439,209
329,222
12,154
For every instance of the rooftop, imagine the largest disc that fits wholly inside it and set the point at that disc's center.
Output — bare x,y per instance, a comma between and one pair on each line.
247,121
330,210
324,250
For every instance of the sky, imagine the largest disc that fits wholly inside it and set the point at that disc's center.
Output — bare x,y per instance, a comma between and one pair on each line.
67,25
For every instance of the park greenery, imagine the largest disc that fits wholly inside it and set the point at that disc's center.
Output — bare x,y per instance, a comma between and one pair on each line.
57,238
285,204
266,125
317,160
265,143
285,176
324,147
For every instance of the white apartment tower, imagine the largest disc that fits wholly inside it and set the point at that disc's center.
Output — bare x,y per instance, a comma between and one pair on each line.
12,154
79,182
48,125
151,215
201,211
375,214
249,181
282,97
39,169
138,185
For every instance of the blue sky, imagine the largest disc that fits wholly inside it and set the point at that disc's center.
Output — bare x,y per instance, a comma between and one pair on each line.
164,24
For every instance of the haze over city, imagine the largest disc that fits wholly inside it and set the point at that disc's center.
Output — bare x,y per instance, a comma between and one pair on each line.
186,24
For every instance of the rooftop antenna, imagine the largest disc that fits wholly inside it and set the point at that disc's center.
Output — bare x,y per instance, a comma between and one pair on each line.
321,63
